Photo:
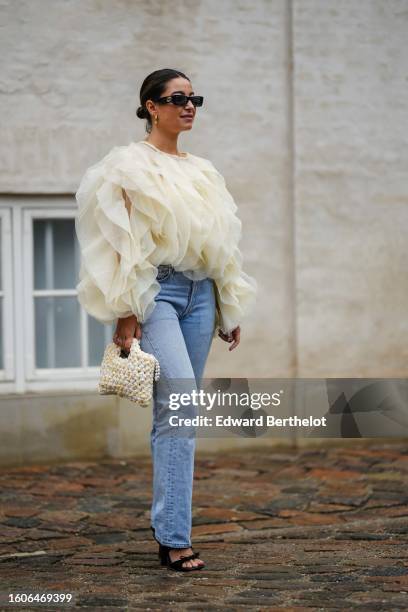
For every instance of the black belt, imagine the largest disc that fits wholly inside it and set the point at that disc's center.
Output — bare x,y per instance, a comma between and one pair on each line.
165,267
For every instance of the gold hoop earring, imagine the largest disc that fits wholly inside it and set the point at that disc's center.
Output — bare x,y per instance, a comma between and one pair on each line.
156,120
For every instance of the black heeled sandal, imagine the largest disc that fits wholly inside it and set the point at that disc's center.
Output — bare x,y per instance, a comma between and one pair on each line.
177,565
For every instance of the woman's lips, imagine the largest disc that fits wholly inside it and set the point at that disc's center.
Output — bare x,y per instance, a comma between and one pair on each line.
186,116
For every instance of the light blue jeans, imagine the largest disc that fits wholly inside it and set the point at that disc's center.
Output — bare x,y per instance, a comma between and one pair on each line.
179,333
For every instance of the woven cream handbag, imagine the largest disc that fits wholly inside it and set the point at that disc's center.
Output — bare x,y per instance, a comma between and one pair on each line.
131,376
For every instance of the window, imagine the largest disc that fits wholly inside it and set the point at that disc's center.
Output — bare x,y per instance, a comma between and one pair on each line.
57,345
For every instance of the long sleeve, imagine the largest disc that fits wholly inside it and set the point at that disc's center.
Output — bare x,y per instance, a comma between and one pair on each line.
116,278
236,291
236,294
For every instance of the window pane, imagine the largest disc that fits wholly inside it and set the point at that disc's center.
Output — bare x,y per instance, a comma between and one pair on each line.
55,254
99,336
57,333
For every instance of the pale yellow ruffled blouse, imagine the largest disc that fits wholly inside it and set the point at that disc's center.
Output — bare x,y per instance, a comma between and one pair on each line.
181,214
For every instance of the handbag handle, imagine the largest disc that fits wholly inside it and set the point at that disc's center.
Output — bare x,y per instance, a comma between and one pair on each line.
135,348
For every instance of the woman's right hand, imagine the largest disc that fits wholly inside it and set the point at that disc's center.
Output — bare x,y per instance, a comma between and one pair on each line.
127,329
233,336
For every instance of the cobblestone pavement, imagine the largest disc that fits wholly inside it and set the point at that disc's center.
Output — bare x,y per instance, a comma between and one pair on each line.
314,529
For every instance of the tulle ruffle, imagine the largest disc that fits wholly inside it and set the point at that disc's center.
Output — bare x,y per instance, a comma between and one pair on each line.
181,214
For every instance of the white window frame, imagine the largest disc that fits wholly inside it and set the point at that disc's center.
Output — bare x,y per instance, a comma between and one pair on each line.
6,291
20,211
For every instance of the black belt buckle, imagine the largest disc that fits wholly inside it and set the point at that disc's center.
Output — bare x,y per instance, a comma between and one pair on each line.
164,271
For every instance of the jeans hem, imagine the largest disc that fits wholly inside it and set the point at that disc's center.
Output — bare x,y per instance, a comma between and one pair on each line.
175,546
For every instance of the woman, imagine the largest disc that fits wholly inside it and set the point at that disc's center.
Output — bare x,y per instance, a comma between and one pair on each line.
159,240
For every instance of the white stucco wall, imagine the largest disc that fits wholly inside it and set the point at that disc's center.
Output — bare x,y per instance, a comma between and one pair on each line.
351,159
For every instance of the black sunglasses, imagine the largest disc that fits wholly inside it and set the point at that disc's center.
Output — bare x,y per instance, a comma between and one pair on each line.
181,100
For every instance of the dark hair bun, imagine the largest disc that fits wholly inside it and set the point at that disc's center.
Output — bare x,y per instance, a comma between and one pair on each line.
142,113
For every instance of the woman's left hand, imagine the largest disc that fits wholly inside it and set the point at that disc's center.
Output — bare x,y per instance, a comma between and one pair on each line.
234,337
